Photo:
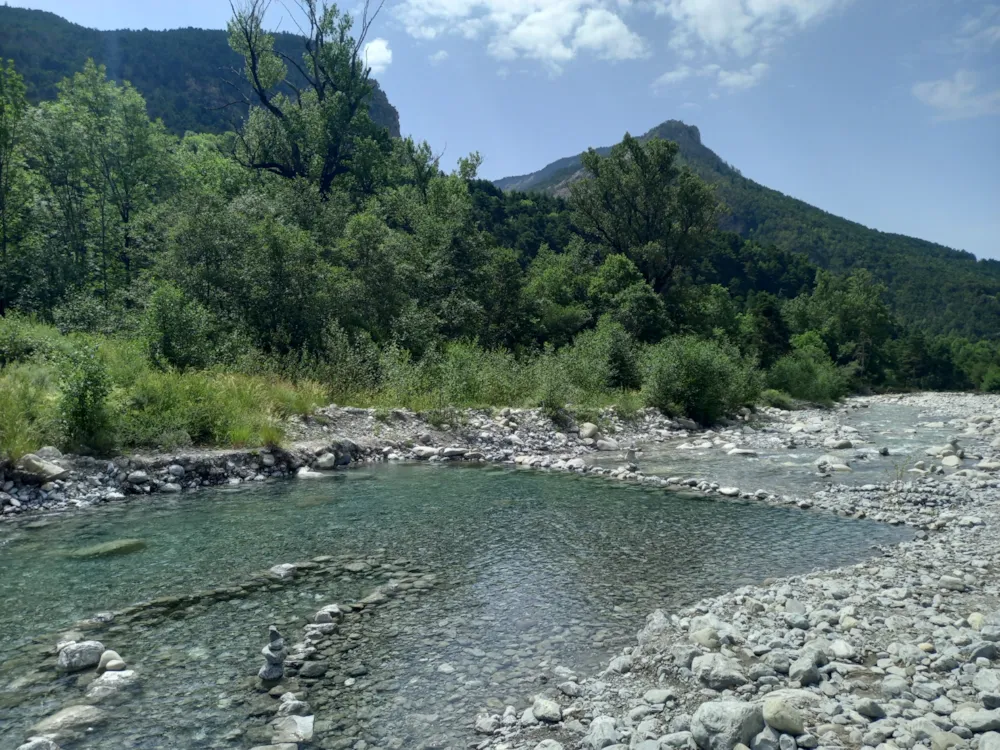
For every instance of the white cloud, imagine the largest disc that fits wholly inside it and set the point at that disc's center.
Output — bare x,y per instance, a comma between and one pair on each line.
741,27
741,79
980,33
378,56
728,79
552,32
607,35
438,57
673,76
959,97
735,34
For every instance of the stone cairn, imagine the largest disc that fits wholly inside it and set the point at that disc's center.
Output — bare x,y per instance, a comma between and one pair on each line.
274,654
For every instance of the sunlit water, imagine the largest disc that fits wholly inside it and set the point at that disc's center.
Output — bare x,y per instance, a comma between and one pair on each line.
535,570
900,428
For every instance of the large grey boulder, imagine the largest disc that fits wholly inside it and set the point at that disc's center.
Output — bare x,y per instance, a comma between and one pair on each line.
589,430
601,734
990,741
37,469
722,725
782,716
987,682
111,685
978,720
546,710
718,672
82,655
654,632
39,743
68,720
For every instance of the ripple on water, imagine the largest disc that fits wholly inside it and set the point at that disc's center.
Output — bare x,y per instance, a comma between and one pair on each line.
534,570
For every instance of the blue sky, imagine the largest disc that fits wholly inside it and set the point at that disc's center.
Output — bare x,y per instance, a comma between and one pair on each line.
886,112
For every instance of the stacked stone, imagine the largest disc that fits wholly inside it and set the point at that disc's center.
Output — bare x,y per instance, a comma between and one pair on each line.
274,654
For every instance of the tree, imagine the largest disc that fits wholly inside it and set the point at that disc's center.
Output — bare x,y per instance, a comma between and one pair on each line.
320,131
13,108
639,203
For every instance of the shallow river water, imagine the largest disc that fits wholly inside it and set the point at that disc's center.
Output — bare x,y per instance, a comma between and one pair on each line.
534,570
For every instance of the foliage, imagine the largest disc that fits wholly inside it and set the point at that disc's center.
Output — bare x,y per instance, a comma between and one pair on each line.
200,297
937,289
777,399
27,414
180,72
808,373
701,379
177,329
83,404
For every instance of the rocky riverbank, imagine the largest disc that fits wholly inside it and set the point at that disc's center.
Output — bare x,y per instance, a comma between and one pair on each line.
819,645
899,652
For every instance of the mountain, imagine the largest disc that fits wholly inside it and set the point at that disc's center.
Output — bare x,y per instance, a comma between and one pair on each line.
180,72
937,288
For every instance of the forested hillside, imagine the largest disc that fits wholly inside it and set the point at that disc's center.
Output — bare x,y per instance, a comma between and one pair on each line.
939,289
181,72
159,290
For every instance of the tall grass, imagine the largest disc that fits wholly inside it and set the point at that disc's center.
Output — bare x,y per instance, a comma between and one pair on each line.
28,410
53,384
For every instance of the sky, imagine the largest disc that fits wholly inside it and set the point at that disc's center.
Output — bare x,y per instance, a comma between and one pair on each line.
886,112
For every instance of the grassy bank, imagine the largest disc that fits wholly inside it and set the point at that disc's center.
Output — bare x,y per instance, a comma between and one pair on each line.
104,395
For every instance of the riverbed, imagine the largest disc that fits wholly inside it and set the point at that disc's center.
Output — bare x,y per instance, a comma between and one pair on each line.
533,571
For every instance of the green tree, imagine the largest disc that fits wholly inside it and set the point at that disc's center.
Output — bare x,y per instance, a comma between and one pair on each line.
13,110
638,202
319,131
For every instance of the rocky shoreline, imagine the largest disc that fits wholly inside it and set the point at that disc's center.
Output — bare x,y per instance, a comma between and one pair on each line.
898,653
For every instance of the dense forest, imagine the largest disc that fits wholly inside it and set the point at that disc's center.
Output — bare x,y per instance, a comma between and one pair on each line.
159,290
935,288
183,74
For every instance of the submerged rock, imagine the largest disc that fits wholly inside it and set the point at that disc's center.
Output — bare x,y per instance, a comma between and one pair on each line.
111,684
110,549
68,719
39,743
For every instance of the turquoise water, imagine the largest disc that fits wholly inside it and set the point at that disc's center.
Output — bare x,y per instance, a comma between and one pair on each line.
534,570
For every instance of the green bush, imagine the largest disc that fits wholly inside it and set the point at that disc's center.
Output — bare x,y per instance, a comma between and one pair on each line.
991,380
702,379
21,339
177,330
83,402
809,374
604,358
777,399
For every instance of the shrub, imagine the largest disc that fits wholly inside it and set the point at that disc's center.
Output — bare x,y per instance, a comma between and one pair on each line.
173,409
84,401
604,358
991,380
700,378
177,330
809,374
21,339
777,399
